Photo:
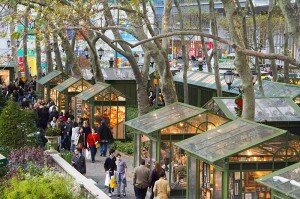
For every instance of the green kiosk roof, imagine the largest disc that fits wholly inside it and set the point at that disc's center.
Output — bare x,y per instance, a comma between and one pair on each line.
164,117
96,89
285,181
66,84
3,161
266,109
228,139
271,89
49,77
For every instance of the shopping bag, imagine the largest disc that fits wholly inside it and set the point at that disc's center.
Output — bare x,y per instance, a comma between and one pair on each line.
107,179
88,154
113,182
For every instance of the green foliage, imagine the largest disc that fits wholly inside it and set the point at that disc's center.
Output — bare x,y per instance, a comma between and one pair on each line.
47,186
67,155
125,147
131,113
52,132
16,126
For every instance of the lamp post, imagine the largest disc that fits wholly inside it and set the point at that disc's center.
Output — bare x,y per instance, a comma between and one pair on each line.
111,62
100,52
86,52
151,62
229,78
8,42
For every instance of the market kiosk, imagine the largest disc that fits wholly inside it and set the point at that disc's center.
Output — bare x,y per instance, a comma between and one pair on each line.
202,87
65,93
225,162
280,112
158,131
102,101
284,183
50,81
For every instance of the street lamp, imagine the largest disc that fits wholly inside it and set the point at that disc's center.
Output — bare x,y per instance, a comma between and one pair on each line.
18,43
86,52
8,42
229,78
136,57
111,62
151,62
100,52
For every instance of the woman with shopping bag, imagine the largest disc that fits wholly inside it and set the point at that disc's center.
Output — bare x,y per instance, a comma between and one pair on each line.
110,168
93,141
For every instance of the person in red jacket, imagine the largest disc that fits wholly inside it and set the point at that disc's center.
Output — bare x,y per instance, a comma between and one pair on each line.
93,140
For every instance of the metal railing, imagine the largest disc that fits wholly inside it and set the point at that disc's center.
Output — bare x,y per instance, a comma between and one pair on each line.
88,186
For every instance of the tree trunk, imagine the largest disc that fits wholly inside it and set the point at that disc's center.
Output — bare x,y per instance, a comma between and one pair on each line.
166,23
204,49
256,64
48,53
241,63
38,54
58,60
14,47
286,52
25,48
271,40
184,56
214,29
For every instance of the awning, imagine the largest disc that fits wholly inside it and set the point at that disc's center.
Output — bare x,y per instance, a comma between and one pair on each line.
266,109
285,181
164,117
228,139
49,77
66,84
96,89
207,80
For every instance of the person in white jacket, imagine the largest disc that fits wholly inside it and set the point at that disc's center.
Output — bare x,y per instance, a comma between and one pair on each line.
74,137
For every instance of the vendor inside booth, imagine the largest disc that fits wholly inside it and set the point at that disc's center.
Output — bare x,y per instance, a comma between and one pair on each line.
65,93
50,81
102,102
225,162
158,131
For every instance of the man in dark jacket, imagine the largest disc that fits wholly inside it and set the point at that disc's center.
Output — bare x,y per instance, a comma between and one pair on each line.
54,113
78,161
110,167
105,137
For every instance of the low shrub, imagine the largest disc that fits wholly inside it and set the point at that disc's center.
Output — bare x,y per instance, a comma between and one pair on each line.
125,147
67,156
45,186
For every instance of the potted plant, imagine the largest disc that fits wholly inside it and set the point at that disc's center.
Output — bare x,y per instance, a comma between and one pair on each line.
52,135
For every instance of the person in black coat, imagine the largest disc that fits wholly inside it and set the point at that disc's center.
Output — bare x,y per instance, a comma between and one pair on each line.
43,117
105,137
110,167
54,113
78,161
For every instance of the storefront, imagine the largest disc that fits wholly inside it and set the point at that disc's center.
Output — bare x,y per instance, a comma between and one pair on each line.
49,82
280,112
102,101
225,162
202,87
284,183
158,131
6,74
66,91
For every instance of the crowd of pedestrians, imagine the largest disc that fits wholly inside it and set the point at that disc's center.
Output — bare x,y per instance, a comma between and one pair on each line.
83,140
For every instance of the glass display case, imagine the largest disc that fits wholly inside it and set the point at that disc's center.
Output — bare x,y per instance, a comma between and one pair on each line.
103,102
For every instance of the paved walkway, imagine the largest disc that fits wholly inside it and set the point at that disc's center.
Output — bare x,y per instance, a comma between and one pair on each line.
96,172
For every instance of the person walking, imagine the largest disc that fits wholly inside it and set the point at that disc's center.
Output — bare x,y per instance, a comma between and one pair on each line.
121,175
75,131
78,161
141,180
105,137
161,187
110,168
92,142
154,176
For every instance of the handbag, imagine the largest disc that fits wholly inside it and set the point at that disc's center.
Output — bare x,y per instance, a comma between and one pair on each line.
97,144
107,179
